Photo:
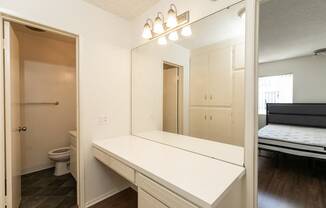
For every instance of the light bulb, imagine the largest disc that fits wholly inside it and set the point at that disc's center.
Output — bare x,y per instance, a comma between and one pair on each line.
173,36
147,33
186,31
172,18
158,24
162,41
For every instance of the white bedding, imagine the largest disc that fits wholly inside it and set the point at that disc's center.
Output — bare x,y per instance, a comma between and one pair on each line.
294,134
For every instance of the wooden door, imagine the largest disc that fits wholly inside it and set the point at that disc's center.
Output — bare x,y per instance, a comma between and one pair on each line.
220,77
198,79
170,100
219,124
12,117
198,122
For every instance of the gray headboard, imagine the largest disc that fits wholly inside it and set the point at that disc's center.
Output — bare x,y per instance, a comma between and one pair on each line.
298,114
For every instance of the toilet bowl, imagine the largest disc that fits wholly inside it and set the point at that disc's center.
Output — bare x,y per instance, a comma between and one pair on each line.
61,157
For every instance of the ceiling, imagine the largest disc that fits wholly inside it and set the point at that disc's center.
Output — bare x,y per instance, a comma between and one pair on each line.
127,9
291,28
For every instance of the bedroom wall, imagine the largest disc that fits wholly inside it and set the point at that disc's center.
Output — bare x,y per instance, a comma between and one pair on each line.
104,53
309,78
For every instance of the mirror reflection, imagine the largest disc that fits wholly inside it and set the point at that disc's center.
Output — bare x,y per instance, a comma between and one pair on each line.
191,81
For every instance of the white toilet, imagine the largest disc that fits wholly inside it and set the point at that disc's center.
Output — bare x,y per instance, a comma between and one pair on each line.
61,157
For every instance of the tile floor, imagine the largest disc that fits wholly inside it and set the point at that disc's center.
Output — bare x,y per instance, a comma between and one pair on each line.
44,190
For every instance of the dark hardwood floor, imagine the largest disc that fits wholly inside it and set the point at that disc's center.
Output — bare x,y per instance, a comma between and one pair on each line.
124,199
44,190
291,182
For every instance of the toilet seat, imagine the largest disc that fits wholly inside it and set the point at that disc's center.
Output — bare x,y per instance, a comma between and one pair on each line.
60,153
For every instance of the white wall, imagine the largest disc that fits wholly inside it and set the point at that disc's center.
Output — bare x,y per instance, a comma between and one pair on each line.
48,75
309,78
147,84
104,76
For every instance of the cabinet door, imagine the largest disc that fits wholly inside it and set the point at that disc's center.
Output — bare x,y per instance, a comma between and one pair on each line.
198,79
239,56
238,105
147,201
198,122
73,161
220,77
219,124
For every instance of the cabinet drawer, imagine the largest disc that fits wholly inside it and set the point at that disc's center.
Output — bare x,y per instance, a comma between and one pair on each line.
147,201
122,169
162,194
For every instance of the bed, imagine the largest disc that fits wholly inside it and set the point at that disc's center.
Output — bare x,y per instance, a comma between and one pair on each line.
297,129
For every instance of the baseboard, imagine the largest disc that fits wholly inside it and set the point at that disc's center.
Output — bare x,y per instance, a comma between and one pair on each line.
32,170
105,196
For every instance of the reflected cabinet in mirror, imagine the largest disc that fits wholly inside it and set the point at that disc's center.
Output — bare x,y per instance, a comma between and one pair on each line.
193,83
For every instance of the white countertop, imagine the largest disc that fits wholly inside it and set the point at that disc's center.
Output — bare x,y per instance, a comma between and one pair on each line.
199,179
221,151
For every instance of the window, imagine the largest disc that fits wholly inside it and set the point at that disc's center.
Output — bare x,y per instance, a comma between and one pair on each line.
274,89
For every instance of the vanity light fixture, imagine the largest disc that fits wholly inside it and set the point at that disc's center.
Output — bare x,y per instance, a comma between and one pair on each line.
186,31
172,17
162,41
147,32
158,23
174,36
159,27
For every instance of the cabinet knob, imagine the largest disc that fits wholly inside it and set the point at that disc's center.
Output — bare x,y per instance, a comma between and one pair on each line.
205,97
211,97
211,117
205,117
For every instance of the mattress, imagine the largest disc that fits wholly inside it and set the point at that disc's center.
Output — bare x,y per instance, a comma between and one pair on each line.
302,136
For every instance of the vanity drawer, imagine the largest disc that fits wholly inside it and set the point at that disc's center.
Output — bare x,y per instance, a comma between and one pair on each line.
122,169
159,192
147,201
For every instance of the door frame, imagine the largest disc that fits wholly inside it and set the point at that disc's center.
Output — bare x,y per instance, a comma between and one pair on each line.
251,106
180,99
80,150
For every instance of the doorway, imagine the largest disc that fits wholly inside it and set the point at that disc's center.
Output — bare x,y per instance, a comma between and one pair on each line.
172,98
41,116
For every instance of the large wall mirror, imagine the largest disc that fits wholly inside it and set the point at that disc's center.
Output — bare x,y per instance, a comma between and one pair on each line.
194,85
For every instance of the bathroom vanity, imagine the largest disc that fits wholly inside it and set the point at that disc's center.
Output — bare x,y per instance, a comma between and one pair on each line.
187,144
167,176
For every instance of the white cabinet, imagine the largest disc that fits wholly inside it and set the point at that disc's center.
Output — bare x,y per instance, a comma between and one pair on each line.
211,123
160,193
238,107
198,122
211,77
217,92
238,56
220,77
147,201
198,79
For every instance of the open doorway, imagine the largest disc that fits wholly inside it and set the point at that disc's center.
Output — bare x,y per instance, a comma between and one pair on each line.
40,94
292,104
172,98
